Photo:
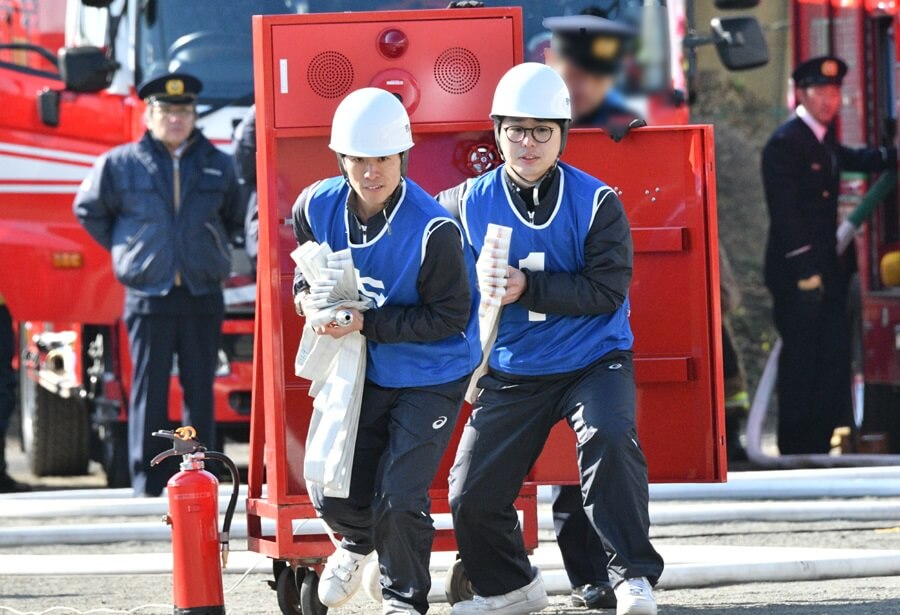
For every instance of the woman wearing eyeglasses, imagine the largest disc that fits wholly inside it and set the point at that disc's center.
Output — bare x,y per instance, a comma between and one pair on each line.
563,352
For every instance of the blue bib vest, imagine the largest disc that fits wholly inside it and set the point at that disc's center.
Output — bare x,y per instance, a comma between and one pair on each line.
528,343
388,268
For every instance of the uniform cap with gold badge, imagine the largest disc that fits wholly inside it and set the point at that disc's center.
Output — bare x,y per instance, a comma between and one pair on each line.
824,70
171,88
592,43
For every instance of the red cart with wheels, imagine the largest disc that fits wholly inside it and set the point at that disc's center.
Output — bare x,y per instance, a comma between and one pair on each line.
444,65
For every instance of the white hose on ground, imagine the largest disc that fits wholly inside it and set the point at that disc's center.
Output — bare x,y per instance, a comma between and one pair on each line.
759,410
660,514
687,565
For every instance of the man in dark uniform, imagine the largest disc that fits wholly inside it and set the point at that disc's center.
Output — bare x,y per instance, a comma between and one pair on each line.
165,207
245,167
587,51
7,396
801,166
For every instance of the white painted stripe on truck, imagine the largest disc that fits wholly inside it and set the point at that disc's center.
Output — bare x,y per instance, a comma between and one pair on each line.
38,189
18,168
13,148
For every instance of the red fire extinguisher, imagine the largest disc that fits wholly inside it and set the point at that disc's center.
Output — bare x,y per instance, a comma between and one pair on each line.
194,517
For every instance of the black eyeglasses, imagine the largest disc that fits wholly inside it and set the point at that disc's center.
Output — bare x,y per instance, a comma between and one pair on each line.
539,134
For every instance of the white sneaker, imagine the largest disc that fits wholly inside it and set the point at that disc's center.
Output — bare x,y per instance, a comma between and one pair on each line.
398,607
529,599
635,597
341,577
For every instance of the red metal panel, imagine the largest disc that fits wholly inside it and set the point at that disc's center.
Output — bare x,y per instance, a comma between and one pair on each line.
811,29
674,299
881,338
847,28
445,61
293,153
676,277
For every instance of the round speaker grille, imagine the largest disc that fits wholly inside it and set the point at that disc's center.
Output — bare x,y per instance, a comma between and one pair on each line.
330,74
457,70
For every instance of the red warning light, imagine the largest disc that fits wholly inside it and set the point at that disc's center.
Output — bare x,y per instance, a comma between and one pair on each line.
392,43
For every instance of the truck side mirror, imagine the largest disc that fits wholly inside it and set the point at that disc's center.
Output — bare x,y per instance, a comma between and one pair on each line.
85,69
740,42
734,5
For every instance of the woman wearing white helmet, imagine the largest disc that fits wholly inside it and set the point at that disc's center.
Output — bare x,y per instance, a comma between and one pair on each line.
422,345
563,352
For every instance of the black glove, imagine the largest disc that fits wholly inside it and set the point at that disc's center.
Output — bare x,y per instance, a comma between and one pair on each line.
617,131
466,4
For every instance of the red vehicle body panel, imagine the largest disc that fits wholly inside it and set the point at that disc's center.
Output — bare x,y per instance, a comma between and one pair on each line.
854,30
54,275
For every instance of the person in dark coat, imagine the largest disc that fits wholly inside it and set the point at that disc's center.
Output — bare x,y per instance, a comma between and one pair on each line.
7,396
587,51
165,206
245,167
801,168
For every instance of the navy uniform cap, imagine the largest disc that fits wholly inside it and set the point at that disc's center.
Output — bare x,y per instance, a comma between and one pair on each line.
593,43
824,70
172,88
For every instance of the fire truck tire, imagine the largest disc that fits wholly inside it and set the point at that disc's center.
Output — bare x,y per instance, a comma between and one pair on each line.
287,589
881,414
115,456
59,433
309,595
457,586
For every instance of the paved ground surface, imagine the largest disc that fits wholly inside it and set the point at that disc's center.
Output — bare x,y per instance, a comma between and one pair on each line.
879,596
866,596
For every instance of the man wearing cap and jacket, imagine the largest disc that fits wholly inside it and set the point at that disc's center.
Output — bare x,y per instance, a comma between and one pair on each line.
801,167
165,207
587,51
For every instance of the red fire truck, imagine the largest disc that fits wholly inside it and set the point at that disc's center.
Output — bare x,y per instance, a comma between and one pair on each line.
59,112
864,34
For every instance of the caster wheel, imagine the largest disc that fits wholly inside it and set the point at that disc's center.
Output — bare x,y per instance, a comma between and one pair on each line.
287,588
457,586
371,581
309,595
277,566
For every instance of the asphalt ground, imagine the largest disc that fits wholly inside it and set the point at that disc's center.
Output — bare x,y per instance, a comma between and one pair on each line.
251,594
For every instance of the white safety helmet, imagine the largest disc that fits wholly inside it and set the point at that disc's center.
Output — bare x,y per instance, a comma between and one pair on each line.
536,91
532,90
370,122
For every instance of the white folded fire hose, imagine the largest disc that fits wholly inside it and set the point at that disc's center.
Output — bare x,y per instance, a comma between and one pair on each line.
492,269
335,367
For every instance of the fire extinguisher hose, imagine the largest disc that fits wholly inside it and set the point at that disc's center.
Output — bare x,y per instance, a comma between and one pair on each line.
232,502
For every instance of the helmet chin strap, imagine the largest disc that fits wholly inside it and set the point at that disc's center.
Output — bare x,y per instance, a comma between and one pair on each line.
536,184
404,164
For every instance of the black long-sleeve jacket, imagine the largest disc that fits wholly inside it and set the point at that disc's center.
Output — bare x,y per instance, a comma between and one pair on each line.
801,177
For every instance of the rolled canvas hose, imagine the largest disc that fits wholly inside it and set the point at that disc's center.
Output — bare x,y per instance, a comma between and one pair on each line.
755,421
